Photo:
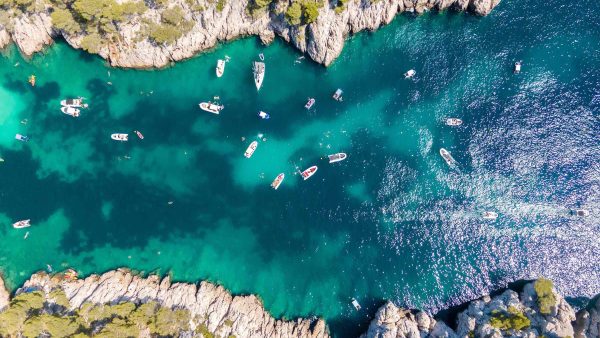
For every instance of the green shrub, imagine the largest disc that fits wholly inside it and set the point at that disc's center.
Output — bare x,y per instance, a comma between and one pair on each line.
220,5
294,14
310,11
92,43
173,16
546,299
513,320
164,34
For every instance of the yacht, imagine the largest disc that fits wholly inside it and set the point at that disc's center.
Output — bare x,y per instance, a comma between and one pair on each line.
22,224
306,174
263,115
410,74
453,122
310,103
70,111
220,67
119,137
489,215
337,157
338,95
75,103
21,137
259,74
211,107
518,67
355,304
277,181
580,212
251,148
447,157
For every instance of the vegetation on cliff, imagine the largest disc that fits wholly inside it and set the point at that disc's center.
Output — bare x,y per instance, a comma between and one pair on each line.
546,299
513,319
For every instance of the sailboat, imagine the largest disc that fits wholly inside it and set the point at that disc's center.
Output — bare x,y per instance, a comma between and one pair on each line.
259,73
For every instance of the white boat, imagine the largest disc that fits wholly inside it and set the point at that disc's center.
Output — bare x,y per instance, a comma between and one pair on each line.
447,157
119,137
277,181
580,212
310,103
139,134
70,111
454,122
355,304
259,74
211,107
251,148
518,67
338,95
337,157
490,215
21,137
263,115
306,174
22,224
410,74
75,103
220,67
261,56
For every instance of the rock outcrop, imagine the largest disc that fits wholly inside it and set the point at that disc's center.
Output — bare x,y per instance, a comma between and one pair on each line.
210,305
322,40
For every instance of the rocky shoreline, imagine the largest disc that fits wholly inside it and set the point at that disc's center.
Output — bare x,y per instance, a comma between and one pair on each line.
536,311
209,22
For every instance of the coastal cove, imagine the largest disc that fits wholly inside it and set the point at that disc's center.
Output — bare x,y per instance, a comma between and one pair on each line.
391,222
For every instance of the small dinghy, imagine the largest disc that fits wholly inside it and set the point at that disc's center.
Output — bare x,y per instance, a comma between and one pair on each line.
251,149
31,80
22,224
277,181
355,304
453,122
410,74
75,103
70,111
310,103
220,67
261,56
518,67
447,157
139,134
489,215
21,138
119,137
263,115
306,174
211,107
337,157
580,212
338,95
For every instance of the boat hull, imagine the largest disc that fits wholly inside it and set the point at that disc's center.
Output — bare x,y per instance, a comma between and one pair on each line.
277,181
120,137
337,157
21,224
251,149
210,107
220,68
308,173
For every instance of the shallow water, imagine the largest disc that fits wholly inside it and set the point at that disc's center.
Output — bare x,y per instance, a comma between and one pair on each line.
393,221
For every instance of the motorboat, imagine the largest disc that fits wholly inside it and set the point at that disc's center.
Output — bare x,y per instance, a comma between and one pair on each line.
277,181
139,134
22,224
75,103
211,107
337,157
31,80
306,174
580,212
220,67
518,67
453,122
447,157
70,111
355,304
259,74
263,115
410,74
251,149
489,215
310,103
338,95
119,137
22,137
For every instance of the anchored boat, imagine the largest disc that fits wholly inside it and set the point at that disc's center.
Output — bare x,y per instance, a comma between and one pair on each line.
337,157
22,137
139,134
355,304
70,111
259,73
518,67
22,224
489,215
447,157
410,74
263,115
75,103
310,103
119,137
453,122
277,181
31,80
251,149
338,95
306,174
220,67
211,107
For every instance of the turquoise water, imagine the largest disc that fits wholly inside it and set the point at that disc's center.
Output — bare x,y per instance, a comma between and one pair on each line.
390,222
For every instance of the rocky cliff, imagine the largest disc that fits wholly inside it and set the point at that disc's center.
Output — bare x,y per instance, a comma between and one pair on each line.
127,44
